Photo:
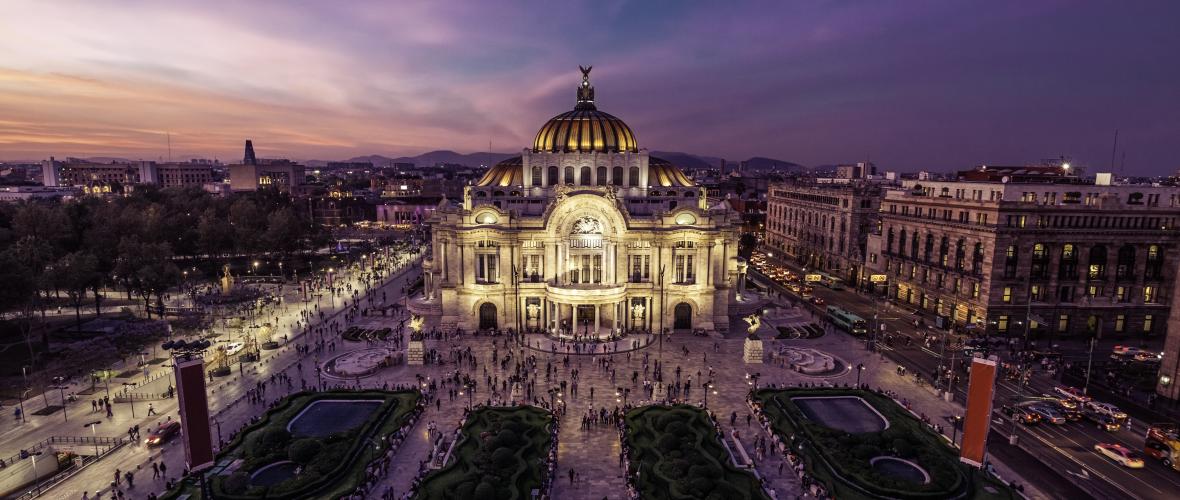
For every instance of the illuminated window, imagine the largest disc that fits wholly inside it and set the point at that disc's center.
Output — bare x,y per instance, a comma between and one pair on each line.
1148,322
1007,297
1120,323
1063,323
975,290
1002,323
1149,295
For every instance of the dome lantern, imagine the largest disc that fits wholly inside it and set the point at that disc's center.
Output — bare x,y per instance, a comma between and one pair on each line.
585,129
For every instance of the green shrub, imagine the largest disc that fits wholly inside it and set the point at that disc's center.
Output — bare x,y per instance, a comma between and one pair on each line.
304,451
504,459
270,440
236,483
485,490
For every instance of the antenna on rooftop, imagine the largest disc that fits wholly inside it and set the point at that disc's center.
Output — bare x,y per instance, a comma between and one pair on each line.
169,134
1114,149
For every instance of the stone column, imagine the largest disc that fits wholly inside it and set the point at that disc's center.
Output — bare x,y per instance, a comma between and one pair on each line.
574,316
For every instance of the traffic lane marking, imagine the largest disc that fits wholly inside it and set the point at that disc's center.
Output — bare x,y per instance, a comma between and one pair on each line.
1089,452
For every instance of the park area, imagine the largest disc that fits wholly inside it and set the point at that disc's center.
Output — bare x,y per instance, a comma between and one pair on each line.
862,445
312,445
675,454
504,453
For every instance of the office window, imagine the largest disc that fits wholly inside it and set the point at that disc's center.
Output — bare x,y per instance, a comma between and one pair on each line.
1007,296
975,290
1148,322
1120,323
1034,292
1063,323
1149,295
1002,323
1120,294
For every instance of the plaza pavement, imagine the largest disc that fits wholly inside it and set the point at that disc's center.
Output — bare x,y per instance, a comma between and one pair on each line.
593,453
226,400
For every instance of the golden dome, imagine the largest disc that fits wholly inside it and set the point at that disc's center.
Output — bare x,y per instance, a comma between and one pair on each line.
585,129
509,172
663,173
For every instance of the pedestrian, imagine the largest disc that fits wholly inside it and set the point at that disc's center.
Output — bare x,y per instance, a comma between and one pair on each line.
163,471
130,479
571,475
155,470
118,476
151,409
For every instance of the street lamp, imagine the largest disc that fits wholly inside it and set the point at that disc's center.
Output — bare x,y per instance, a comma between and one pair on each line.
94,434
36,477
859,368
130,399
61,387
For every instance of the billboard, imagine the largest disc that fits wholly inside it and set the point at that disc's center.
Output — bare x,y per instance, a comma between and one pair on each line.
878,278
194,413
977,423
813,278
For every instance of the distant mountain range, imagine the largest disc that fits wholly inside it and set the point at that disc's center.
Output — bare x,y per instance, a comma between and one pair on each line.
687,161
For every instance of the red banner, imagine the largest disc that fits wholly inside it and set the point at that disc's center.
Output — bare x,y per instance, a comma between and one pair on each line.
977,422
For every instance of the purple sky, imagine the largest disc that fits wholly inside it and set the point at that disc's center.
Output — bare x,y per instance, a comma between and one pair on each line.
910,85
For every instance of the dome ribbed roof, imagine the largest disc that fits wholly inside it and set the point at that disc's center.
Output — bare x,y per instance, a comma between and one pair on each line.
509,172
585,129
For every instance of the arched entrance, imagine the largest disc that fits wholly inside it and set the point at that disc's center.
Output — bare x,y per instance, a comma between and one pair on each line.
683,317
487,316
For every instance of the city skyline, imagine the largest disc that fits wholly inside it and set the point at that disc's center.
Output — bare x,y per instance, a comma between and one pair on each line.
812,84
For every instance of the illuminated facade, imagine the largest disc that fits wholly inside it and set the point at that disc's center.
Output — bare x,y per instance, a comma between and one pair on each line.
583,233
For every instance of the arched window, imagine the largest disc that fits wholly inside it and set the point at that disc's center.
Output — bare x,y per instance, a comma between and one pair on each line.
601,176
1040,261
929,247
536,176
584,179
1097,268
960,253
889,242
944,250
901,244
1068,268
633,173
977,258
553,175
1126,265
617,176
689,194
914,245
569,175
1155,263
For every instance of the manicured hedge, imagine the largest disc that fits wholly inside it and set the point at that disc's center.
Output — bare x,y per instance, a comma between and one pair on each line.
831,454
675,451
502,455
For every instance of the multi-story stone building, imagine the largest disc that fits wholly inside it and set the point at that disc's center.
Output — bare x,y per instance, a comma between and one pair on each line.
582,233
99,178
822,226
1073,258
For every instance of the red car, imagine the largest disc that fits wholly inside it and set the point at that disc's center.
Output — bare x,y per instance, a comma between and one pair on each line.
163,434
819,301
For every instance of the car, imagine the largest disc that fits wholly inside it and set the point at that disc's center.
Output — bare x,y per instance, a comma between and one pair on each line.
819,301
163,434
1020,414
1107,409
233,348
1070,414
1148,356
1104,422
1072,392
1125,350
1047,414
1120,454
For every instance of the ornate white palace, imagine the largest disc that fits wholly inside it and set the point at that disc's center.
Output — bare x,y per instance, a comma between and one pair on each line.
582,233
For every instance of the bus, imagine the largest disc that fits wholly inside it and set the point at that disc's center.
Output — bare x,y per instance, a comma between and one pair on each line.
847,321
831,282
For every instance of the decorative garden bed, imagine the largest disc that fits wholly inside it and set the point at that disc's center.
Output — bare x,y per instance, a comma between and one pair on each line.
504,453
862,445
675,452
286,456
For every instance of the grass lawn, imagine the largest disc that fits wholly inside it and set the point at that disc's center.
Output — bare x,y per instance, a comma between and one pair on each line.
841,460
502,455
677,455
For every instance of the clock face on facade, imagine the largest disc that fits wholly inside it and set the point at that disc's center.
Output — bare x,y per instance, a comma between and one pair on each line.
587,225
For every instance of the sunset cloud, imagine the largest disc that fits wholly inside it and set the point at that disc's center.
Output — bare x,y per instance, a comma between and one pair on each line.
912,85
